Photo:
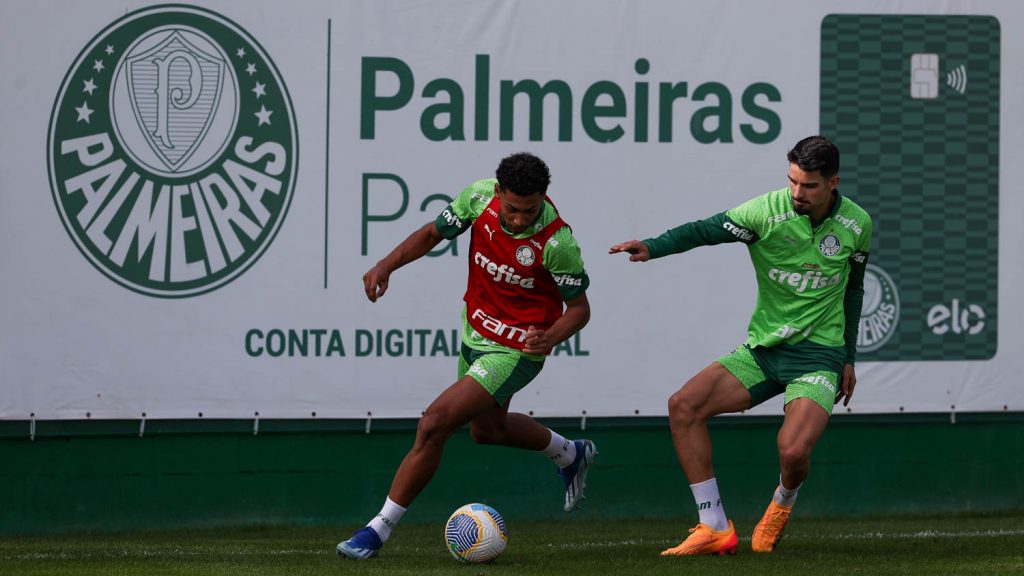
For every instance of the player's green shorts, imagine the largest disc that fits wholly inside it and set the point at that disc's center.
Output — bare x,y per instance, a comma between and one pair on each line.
806,370
502,372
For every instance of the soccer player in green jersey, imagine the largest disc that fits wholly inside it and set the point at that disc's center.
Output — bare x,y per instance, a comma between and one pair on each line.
809,246
526,294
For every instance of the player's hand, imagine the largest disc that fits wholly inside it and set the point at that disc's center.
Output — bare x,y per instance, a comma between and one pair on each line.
375,281
637,250
846,388
537,341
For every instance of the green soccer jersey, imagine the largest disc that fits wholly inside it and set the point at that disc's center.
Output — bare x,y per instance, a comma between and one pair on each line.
809,275
561,255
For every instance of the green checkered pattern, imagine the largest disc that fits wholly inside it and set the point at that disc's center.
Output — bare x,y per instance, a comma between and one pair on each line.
927,170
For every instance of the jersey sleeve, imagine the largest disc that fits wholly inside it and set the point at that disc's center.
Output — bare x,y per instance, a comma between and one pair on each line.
459,215
853,299
564,260
717,229
752,216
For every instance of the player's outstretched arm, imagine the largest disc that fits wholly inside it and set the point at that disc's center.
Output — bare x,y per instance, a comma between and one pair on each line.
638,251
423,240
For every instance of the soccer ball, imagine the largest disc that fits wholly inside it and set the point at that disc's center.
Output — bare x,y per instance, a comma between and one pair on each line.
476,533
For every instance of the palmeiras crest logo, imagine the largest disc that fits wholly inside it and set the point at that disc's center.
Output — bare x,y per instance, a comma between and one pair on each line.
172,151
829,245
880,311
525,256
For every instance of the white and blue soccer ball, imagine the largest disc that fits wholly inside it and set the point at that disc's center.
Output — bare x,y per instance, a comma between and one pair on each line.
476,533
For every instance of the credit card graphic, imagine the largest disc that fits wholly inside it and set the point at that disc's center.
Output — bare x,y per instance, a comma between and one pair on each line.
913,104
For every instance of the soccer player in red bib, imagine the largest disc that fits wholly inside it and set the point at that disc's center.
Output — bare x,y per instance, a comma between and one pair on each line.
526,294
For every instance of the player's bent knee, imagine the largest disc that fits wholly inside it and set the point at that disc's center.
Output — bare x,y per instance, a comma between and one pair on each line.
795,455
682,409
433,428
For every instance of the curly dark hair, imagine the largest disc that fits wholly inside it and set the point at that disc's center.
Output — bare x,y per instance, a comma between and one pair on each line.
816,154
523,174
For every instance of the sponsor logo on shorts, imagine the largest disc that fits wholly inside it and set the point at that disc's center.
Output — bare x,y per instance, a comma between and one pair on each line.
818,380
172,151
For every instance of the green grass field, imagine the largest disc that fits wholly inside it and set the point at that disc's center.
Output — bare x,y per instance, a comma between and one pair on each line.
984,545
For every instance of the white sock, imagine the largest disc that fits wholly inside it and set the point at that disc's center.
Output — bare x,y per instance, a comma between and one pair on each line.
385,522
560,451
785,496
709,504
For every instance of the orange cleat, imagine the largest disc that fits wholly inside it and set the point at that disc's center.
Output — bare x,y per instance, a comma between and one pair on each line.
704,540
768,531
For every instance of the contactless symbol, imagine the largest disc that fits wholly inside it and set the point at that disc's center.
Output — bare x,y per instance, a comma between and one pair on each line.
924,77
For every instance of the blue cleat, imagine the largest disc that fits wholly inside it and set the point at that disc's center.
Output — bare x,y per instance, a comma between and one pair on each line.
362,545
574,476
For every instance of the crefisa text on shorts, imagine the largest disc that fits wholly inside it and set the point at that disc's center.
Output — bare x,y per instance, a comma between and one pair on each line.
172,151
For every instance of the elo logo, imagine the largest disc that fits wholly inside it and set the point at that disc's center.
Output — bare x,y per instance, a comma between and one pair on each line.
970,318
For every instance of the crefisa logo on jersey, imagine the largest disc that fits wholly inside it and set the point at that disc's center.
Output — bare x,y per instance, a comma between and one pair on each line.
172,151
880,312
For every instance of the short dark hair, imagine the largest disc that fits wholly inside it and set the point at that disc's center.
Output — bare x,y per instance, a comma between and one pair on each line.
523,174
816,154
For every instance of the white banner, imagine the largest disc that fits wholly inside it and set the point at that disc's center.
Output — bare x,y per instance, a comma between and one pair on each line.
191,195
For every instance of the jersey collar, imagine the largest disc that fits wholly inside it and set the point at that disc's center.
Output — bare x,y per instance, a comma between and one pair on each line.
838,199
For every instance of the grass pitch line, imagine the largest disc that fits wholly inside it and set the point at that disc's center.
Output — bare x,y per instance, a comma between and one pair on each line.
926,534
922,534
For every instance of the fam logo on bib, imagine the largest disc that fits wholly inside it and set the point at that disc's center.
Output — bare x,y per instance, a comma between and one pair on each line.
172,151
880,311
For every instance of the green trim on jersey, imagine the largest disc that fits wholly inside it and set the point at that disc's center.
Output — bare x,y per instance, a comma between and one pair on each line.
803,271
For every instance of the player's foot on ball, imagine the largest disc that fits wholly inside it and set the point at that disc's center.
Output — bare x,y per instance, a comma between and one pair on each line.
365,543
574,476
768,531
704,540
